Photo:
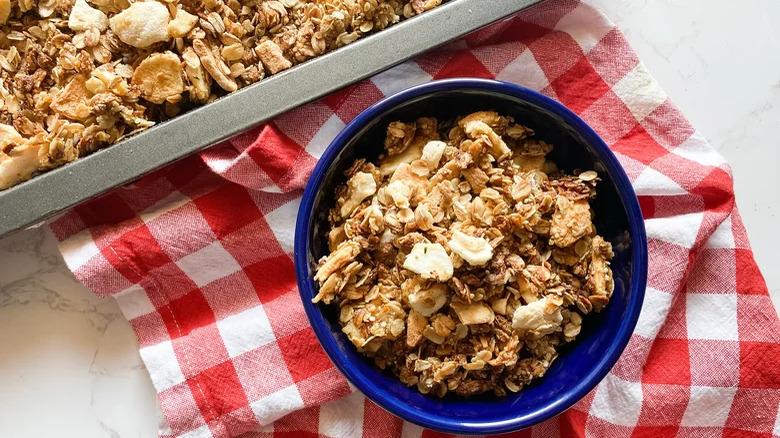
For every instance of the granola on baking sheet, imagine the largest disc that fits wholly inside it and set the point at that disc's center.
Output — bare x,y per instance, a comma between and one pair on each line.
78,75
464,259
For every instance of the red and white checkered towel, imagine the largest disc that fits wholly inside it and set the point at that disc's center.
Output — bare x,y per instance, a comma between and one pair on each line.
199,257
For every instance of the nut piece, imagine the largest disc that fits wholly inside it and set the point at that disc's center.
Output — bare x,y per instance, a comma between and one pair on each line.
159,77
142,24
272,57
71,100
214,67
600,282
474,313
478,129
475,250
542,316
84,17
200,81
182,24
432,153
570,221
415,325
477,179
361,186
431,261
345,253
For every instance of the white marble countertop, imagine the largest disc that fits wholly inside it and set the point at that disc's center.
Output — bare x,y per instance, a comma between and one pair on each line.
69,365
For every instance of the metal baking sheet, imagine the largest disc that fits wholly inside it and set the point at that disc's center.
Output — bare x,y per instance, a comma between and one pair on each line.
62,188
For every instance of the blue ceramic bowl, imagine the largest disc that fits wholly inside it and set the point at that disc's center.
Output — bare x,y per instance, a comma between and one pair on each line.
581,364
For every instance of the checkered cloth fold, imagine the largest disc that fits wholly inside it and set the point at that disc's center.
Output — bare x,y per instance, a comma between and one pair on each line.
198,256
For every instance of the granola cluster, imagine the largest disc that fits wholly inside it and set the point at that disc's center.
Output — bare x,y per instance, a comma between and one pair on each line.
78,75
464,259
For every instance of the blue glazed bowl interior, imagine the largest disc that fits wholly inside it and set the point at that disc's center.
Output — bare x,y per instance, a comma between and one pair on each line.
581,364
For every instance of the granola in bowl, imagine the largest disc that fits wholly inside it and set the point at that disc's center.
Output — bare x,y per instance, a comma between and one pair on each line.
463,259
78,75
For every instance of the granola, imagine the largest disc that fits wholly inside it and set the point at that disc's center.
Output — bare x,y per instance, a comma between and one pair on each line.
79,75
463,259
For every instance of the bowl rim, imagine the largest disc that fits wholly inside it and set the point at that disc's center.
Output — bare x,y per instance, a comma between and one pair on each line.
638,270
